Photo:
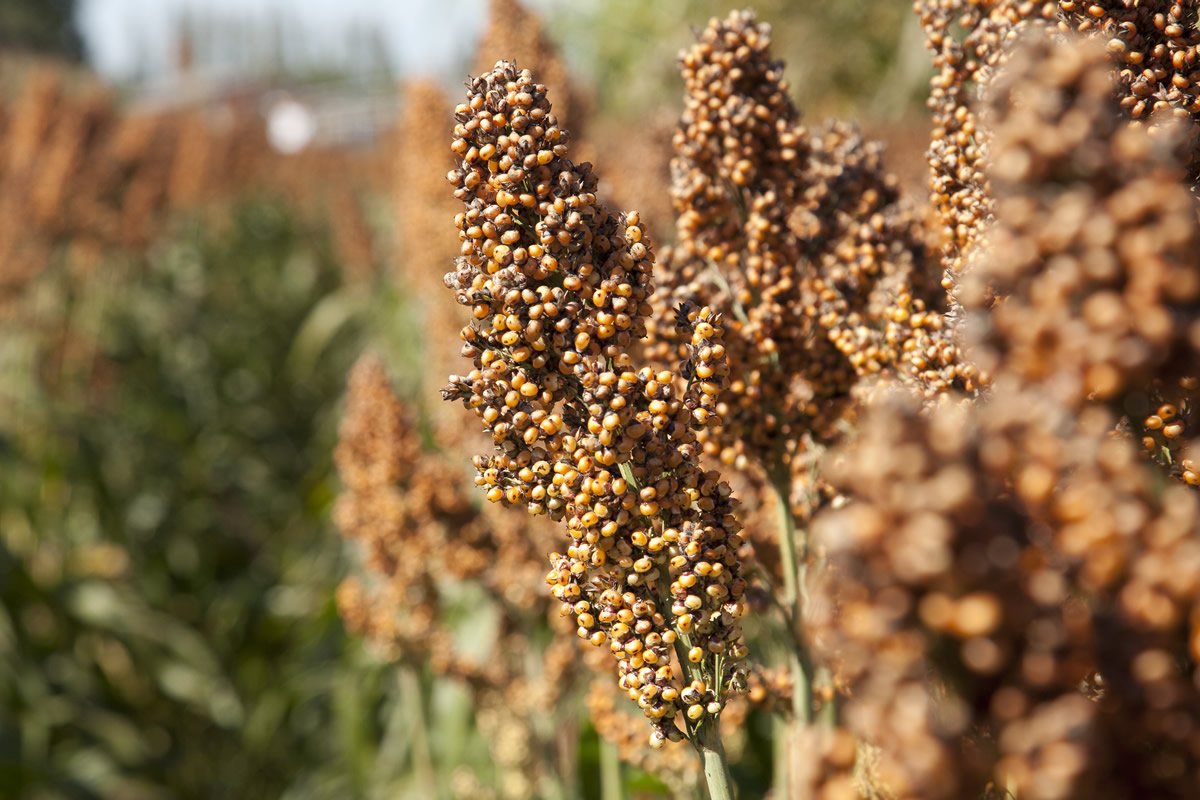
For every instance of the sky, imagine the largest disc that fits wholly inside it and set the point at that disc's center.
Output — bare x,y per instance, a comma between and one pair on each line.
423,36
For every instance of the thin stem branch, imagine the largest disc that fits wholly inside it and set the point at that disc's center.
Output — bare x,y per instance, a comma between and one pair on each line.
793,549
827,718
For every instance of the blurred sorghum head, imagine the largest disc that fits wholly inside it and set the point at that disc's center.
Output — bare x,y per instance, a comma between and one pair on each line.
1012,592
412,514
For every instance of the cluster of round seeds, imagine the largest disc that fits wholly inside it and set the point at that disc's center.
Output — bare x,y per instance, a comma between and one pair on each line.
738,150
1093,249
877,299
559,290
968,41
739,127
928,350
375,457
792,234
1100,318
897,558
940,566
1154,47
1017,550
515,33
423,538
1150,49
1016,546
1163,418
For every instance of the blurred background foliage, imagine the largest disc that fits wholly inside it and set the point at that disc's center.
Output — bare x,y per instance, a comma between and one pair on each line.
167,626
861,58
45,26
167,418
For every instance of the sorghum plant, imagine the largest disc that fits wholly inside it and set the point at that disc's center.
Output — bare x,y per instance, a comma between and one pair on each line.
797,237
559,287
422,540
1015,546
1001,591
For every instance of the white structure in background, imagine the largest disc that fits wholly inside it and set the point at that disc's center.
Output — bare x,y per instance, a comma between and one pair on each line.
291,125
296,113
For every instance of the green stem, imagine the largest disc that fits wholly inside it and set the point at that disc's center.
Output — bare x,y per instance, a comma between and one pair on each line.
828,716
707,741
423,767
793,549
612,787
781,742
546,732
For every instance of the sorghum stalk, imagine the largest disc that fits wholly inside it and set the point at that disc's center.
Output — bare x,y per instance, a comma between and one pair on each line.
611,783
712,754
559,290
793,551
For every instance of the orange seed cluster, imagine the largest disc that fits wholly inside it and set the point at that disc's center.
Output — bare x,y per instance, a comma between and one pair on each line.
559,289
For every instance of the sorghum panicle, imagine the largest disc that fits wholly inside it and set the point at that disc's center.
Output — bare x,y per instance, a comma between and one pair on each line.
411,512
1016,546
422,539
559,289
797,238
1093,247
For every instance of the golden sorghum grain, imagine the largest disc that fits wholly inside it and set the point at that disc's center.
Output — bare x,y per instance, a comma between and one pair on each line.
558,288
